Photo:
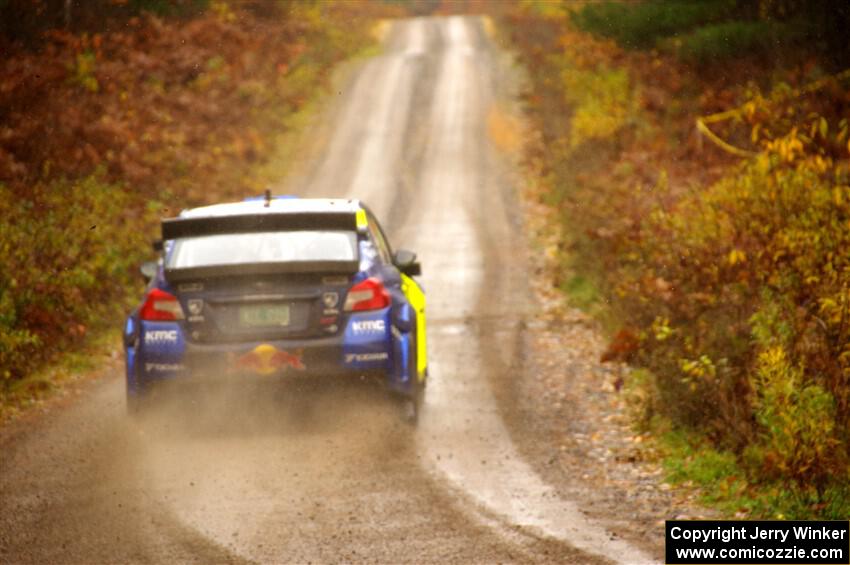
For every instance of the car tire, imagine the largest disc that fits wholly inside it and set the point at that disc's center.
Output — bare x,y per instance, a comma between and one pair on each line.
413,401
135,402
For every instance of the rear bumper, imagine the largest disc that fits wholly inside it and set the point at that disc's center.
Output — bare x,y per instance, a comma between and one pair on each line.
322,356
162,353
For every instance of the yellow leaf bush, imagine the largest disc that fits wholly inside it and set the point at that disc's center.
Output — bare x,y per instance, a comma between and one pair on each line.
734,280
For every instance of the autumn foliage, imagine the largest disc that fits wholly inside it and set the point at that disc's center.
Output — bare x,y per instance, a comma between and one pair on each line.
102,133
723,266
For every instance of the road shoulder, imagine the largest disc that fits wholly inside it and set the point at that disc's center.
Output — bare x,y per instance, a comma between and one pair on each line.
571,416
567,412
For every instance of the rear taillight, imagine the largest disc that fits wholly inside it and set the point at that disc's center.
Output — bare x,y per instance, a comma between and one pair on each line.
367,295
161,306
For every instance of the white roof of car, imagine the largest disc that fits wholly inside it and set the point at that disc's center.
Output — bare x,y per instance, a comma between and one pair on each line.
276,205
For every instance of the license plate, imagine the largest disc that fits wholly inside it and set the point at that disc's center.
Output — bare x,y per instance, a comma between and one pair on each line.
266,315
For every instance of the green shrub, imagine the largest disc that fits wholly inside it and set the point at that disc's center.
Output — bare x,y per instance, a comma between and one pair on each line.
728,40
757,262
603,102
165,8
69,262
726,481
798,440
639,26
83,71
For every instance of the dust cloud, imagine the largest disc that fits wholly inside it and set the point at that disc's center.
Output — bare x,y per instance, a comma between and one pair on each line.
238,462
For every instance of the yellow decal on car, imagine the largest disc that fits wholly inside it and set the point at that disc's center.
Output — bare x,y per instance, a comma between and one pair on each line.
416,297
360,219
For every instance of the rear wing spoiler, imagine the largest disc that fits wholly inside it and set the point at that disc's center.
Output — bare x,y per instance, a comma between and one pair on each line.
260,269
175,228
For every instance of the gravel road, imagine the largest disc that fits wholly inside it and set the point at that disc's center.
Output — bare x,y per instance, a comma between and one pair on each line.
319,475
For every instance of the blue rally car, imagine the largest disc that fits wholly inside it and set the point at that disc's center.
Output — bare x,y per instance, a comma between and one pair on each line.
277,287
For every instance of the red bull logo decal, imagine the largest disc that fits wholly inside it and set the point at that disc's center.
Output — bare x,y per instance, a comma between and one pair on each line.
266,359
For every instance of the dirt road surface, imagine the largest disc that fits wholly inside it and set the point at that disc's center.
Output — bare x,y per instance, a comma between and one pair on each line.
333,475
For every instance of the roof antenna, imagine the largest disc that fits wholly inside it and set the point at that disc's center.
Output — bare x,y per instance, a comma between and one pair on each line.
268,197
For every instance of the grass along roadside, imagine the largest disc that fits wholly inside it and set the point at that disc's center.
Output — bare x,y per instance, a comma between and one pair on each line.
722,280
99,355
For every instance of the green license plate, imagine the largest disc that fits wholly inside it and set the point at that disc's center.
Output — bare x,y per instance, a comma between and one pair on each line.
265,315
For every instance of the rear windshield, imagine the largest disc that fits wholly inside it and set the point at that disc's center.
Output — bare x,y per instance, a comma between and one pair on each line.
263,247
